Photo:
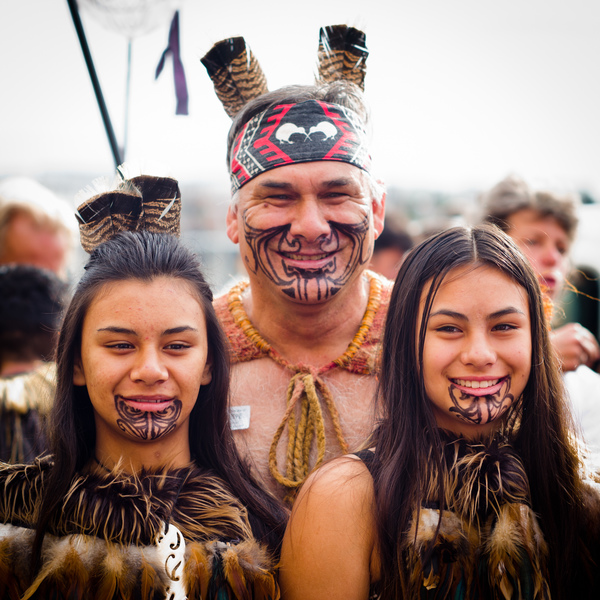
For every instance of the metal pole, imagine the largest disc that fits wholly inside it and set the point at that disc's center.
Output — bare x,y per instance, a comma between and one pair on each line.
127,93
96,84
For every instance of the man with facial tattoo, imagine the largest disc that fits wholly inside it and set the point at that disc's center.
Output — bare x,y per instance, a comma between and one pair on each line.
305,326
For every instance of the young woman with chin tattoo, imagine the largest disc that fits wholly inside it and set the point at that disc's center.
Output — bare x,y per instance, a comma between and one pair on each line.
143,494
473,484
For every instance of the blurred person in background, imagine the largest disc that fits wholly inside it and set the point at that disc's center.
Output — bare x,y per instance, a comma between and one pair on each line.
389,249
30,309
544,224
36,226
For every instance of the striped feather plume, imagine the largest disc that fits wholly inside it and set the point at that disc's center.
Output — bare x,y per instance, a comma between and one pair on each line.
449,566
486,541
342,55
235,73
143,203
517,553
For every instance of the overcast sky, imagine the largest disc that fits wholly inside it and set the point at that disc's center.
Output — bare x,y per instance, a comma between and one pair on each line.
462,91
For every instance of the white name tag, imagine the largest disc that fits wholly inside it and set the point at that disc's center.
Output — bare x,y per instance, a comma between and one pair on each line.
239,417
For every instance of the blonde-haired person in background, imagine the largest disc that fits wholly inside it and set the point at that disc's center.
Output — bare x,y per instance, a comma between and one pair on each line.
36,226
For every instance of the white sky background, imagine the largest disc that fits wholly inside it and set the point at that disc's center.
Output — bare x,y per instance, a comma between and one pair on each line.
462,91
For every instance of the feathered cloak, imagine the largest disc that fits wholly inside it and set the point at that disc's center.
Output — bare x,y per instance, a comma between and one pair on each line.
25,400
488,543
104,542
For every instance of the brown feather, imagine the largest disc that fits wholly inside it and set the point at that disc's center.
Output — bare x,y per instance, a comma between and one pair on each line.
235,73
63,573
13,577
145,203
198,571
342,55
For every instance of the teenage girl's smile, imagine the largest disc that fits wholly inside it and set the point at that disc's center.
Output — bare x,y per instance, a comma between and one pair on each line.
481,386
148,403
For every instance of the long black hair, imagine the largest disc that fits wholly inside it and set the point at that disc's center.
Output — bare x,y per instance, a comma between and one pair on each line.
407,435
145,256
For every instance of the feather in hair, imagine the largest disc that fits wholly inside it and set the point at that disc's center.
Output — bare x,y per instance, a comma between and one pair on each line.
235,72
145,202
342,55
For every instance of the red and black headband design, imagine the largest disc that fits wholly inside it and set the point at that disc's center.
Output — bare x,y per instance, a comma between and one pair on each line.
296,133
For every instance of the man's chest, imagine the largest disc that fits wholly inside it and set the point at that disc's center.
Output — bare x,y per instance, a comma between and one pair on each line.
261,393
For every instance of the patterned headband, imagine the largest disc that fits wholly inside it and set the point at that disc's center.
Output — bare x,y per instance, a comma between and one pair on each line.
297,133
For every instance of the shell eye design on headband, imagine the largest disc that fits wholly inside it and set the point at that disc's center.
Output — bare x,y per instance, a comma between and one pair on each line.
296,133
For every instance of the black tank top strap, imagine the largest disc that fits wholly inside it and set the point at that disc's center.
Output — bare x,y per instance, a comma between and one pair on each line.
368,457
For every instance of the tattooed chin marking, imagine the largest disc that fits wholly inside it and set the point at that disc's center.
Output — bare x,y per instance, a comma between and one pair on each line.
147,425
479,410
293,280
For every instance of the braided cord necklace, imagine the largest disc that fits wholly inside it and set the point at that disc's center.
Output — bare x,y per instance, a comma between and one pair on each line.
305,423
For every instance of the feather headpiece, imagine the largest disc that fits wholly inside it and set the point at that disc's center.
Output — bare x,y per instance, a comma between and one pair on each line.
238,77
296,130
342,55
236,74
144,202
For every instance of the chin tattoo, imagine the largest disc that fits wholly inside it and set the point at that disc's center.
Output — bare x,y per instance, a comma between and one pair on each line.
479,410
294,281
147,425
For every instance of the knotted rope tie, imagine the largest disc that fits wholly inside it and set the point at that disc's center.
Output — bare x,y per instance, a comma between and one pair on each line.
303,391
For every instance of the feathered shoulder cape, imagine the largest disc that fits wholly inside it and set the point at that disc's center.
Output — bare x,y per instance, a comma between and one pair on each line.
482,540
25,400
170,534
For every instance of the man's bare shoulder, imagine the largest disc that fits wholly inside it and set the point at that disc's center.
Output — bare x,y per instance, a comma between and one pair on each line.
241,347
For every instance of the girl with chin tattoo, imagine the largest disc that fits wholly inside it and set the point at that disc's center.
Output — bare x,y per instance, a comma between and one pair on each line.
473,485
143,494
